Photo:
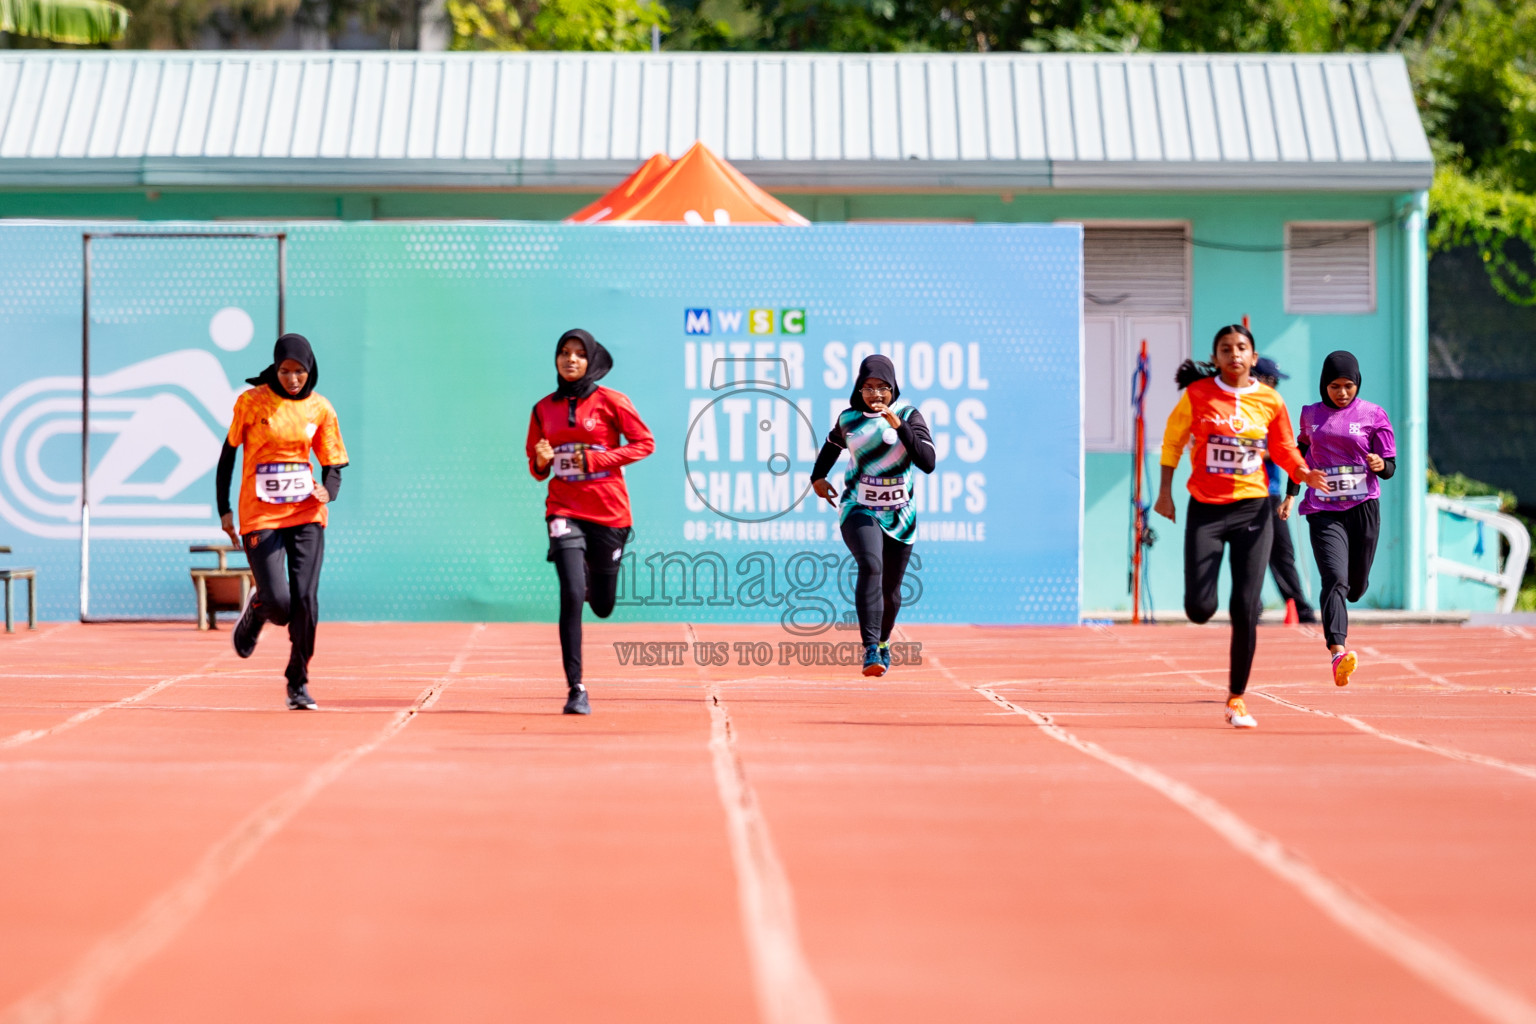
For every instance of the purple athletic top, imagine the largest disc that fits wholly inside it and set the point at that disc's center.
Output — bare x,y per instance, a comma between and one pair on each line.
1339,440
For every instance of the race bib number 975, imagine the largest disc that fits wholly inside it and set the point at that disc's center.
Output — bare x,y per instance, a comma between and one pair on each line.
282,483
1234,455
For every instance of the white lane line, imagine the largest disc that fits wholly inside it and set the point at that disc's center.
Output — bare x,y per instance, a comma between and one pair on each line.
26,736
1433,962
788,991
32,638
75,997
1411,667
1454,753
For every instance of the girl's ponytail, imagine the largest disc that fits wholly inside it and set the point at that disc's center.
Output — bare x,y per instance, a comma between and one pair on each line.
1191,371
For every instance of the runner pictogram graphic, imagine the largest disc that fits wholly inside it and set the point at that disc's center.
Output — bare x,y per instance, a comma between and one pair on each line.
164,416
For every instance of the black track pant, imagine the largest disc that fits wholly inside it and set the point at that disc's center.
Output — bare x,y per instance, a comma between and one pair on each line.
1344,544
586,557
1247,526
289,594
1282,561
882,564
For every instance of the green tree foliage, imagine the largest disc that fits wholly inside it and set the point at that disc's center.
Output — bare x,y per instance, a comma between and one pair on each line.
1304,26
604,25
1476,83
76,22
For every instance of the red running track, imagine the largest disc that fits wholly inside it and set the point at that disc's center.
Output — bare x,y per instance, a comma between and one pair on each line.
1033,824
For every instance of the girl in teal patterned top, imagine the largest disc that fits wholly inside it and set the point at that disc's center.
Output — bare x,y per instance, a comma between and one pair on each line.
886,438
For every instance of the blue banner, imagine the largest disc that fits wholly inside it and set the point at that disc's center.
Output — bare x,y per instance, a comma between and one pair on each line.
736,344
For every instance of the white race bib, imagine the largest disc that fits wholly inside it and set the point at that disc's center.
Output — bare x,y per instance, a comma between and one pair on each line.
1344,482
282,483
881,491
1234,455
568,461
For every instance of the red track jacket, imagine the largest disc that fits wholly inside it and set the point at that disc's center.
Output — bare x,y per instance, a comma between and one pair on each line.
594,426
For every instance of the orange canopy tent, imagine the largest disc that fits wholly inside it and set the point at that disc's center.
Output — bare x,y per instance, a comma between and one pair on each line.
624,196
699,188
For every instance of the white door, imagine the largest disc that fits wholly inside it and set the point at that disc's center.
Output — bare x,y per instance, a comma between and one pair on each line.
1167,339
1105,395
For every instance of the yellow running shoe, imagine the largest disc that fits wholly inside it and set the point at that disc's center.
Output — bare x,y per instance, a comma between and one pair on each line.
1344,665
1238,716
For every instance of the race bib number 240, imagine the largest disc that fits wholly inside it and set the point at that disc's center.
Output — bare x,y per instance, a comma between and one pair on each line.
881,491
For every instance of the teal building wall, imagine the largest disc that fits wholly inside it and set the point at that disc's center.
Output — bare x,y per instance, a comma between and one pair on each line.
1245,278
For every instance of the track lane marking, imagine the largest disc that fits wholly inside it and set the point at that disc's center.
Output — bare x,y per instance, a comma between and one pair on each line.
1433,962
1411,667
1440,749
1454,753
26,736
788,991
75,996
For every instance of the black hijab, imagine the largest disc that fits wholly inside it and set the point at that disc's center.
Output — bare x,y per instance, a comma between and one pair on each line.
880,368
1338,364
295,347
599,362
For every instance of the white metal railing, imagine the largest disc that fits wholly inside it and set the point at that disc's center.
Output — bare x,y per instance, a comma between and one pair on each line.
1507,580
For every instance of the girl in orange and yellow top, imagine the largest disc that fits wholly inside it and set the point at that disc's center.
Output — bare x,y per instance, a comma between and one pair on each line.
279,422
1229,421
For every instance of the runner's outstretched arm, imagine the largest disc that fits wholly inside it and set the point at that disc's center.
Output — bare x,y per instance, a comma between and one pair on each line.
915,437
638,439
223,477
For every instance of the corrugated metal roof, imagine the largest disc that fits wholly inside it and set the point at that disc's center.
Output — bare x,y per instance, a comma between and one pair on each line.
571,120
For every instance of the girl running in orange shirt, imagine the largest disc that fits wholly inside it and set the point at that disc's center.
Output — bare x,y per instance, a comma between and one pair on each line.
279,422
1229,420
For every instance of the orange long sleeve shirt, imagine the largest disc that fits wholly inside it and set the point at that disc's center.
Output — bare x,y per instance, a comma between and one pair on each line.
1231,430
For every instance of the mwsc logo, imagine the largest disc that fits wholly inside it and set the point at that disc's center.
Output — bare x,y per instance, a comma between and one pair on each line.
730,321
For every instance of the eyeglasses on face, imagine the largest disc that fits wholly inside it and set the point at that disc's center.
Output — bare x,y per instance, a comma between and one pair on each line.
875,390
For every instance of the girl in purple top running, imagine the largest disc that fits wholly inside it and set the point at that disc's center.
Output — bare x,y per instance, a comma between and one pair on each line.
1350,440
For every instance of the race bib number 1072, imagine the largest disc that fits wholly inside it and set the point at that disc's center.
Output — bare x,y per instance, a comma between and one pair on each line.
1234,455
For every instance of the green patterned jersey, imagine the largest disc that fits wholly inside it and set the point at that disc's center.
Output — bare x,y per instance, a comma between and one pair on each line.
879,478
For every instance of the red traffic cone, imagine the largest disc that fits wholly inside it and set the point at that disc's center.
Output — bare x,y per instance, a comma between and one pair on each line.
1291,618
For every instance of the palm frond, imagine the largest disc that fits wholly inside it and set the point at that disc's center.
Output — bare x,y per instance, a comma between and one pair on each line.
81,22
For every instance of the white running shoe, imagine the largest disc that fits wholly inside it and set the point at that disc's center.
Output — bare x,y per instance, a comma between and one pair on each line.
1238,716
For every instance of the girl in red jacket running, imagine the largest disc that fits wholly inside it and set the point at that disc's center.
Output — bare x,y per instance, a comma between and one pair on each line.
576,433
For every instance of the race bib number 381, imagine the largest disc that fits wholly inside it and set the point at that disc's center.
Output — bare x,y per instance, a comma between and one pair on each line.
1344,482
282,483
1234,455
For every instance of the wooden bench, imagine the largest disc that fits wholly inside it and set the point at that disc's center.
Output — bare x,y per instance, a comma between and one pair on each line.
30,575
219,590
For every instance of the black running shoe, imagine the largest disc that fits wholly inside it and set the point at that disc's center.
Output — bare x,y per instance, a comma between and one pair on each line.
249,627
299,698
576,702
